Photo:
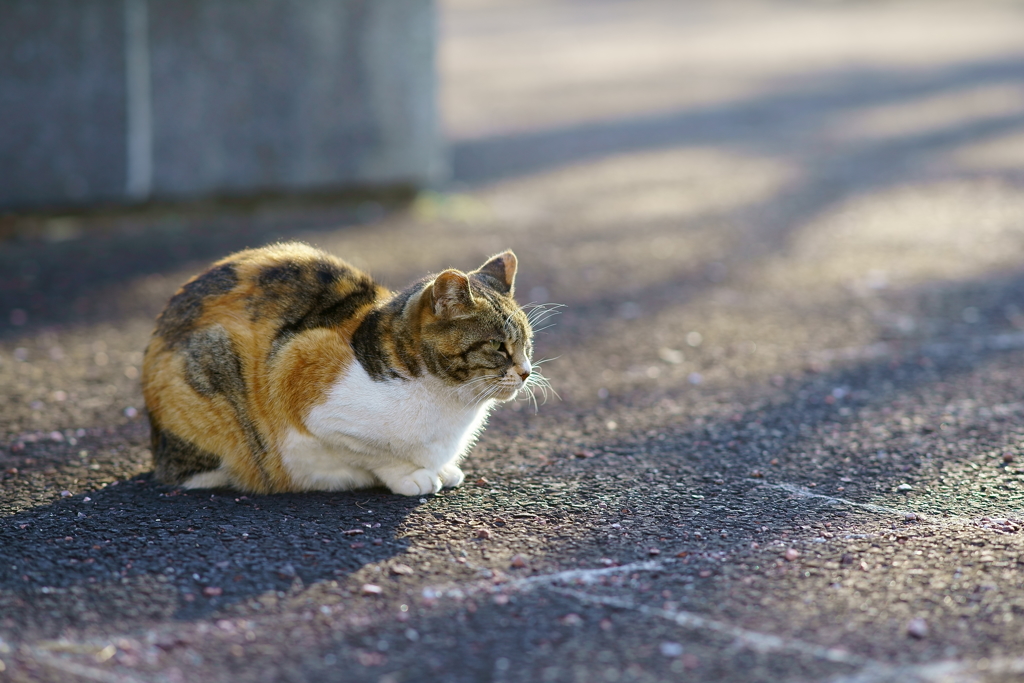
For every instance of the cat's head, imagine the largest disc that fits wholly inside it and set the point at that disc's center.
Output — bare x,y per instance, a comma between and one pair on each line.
475,337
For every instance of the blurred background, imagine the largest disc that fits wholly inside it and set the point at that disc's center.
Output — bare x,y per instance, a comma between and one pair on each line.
719,190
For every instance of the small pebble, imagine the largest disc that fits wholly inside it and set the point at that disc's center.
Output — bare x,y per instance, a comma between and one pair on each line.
371,589
671,649
65,494
1007,457
791,554
212,591
518,561
571,619
904,488
917,628
402,570
482,481
483,533
910,516
653,551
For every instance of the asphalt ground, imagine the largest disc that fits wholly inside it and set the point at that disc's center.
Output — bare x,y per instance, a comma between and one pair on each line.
787,446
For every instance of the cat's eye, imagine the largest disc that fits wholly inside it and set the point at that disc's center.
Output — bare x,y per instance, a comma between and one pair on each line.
495,345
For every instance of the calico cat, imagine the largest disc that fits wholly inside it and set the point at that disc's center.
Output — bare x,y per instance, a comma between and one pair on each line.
286,369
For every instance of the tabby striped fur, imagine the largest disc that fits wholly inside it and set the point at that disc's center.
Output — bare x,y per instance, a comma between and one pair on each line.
286,369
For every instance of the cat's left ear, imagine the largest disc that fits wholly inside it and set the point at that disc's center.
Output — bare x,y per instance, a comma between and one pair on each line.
502,268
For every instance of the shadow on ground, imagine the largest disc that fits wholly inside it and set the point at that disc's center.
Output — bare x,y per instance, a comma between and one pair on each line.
138,549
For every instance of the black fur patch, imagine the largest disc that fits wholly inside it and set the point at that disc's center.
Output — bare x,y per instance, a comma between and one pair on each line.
176,459
185,307
366,342
367,339
212,367
305,296
326,308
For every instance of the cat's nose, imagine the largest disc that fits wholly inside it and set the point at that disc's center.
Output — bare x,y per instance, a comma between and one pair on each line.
523,370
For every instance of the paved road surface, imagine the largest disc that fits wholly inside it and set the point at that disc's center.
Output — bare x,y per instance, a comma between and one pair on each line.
788,444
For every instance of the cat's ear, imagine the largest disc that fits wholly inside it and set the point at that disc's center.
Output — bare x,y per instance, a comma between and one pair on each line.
450,294
503,269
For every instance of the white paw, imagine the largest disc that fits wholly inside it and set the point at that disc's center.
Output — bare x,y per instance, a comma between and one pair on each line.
451,476
419,483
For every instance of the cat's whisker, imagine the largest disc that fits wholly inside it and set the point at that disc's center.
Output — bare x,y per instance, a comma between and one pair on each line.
533,394
472,382
538,380
537,320
533,308
533,305
487,394
547,310
533,398
526,393
538,316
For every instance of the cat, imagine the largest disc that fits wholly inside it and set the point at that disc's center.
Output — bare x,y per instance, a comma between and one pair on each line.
286,369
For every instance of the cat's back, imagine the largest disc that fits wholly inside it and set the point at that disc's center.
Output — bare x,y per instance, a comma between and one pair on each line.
274,292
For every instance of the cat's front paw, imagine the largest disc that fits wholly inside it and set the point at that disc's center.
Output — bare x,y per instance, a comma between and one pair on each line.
419,483
451,476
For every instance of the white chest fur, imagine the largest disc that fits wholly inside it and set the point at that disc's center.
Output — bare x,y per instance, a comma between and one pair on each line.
369,431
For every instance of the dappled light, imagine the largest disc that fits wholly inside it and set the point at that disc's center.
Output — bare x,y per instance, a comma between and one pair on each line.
788,443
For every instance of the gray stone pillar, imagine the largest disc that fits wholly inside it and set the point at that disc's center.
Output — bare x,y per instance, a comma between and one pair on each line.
127,100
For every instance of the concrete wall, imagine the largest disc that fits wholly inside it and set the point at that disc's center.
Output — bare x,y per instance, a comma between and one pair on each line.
126,100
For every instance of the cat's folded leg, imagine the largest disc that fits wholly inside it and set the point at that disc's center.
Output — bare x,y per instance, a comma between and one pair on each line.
451,476
408,480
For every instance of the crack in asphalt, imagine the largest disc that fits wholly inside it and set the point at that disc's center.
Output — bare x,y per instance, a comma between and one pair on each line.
989,523
754,640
